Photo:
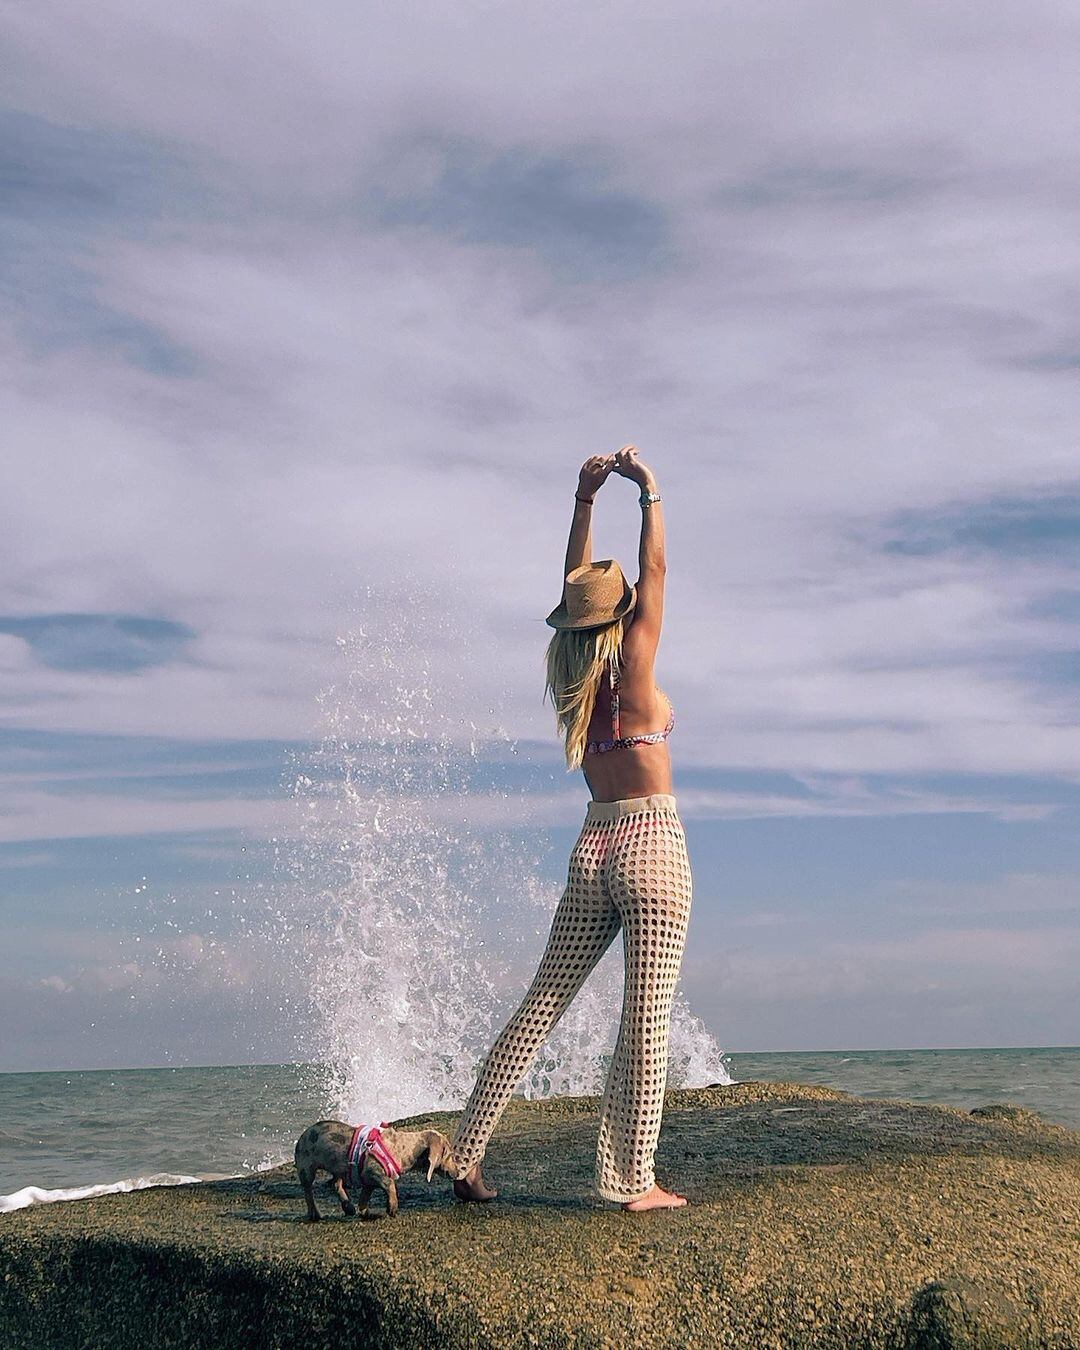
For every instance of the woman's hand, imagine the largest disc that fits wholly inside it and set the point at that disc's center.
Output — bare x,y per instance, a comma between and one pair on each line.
593,473
627,464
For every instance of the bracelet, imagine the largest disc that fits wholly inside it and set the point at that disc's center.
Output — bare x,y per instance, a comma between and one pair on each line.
647,498
587,500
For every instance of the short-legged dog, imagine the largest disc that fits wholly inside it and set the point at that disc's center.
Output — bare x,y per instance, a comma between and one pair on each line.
325,1146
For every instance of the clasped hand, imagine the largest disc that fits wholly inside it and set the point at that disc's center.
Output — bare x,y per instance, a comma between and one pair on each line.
596,469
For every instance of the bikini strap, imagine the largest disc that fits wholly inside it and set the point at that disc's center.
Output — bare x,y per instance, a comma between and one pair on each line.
614,678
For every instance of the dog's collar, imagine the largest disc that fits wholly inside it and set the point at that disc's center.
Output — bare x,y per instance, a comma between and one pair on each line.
367,1139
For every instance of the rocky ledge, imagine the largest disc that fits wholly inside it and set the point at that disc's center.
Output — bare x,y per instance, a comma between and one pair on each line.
816,1219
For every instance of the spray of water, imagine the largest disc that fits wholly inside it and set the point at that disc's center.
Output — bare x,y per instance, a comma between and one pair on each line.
420,910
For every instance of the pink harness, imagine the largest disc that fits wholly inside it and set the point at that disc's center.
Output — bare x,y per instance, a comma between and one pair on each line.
367,1139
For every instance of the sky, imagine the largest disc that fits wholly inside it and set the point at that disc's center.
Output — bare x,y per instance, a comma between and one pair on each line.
310,316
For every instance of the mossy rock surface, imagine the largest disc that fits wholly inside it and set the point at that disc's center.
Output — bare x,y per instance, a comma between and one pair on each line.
816,1219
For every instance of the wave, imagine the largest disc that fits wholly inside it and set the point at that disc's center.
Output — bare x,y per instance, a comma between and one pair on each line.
392,853
35,1195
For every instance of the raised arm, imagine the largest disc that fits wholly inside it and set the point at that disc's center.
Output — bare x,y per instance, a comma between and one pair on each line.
591,478
643,635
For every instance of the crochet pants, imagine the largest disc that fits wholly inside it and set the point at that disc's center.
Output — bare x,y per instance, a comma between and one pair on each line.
628,869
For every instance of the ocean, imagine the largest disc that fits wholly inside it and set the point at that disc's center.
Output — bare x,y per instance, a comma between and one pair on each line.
66,1134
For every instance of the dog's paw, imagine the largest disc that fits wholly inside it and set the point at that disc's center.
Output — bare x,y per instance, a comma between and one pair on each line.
348,1209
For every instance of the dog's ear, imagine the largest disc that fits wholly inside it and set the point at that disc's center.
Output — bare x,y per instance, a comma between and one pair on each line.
438,1149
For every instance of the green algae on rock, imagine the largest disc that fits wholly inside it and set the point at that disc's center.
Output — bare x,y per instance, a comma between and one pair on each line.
816,1219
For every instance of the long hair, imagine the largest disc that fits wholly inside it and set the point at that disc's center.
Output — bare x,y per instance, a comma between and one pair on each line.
576,660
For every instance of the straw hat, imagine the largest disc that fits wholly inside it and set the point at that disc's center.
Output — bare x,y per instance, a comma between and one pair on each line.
594,595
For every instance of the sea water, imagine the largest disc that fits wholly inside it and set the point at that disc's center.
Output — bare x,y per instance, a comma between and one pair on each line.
60,1132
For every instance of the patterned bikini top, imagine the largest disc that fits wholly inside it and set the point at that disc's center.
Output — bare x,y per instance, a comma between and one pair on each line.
618,742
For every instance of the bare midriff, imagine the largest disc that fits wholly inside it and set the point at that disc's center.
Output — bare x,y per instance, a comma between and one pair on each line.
634,770
637,771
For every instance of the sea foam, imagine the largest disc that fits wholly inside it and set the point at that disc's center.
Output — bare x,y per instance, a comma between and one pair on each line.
35,1195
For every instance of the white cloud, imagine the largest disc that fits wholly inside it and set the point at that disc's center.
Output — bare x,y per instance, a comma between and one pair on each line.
906,962
1013,892
242,400
32,815
37,858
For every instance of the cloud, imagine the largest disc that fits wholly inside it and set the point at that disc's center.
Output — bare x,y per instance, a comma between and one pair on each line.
806,186
841,995
32,815
24,858
308,328
1018,893
45,813
128,1014
936,986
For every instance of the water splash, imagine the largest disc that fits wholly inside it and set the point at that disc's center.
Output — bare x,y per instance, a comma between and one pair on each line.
421,910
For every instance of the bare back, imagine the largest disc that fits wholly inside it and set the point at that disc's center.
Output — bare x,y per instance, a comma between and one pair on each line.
638,770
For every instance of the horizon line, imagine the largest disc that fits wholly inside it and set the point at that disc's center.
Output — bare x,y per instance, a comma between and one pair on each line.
314,1063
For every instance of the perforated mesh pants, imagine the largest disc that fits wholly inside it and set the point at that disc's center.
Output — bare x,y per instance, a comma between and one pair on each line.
629,868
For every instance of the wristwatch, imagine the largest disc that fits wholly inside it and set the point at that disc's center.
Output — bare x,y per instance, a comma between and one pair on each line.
647,498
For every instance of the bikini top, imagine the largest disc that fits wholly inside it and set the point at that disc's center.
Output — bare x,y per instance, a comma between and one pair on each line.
618,742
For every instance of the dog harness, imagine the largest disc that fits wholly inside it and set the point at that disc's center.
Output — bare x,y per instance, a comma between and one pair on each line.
618,742
366,1139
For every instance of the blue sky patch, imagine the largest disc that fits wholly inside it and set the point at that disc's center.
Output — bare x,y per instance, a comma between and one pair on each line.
565,208
1056,604
68,314
1057,667
51,173
1019,526
100,643
60,188
1052,362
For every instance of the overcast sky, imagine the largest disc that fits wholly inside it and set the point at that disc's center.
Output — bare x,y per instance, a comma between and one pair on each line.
310,316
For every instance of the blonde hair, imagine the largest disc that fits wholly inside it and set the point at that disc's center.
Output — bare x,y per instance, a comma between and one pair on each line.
576,660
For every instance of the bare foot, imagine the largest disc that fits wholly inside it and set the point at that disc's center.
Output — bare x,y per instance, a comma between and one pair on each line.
657,1198
472,1187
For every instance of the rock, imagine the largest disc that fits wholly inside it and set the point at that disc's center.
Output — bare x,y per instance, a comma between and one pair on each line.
961,1314
816,1219
1019,1115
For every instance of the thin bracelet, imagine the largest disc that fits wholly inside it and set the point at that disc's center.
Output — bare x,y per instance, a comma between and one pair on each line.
587,500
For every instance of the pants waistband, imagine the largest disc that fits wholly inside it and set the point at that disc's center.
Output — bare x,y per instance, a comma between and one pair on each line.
625,806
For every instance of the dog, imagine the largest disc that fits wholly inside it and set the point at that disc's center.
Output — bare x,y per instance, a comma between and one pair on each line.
325,1146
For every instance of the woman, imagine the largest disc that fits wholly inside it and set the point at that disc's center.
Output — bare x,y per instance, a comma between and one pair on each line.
629,867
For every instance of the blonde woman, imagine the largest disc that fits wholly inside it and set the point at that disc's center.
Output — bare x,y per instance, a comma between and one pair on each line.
629,868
